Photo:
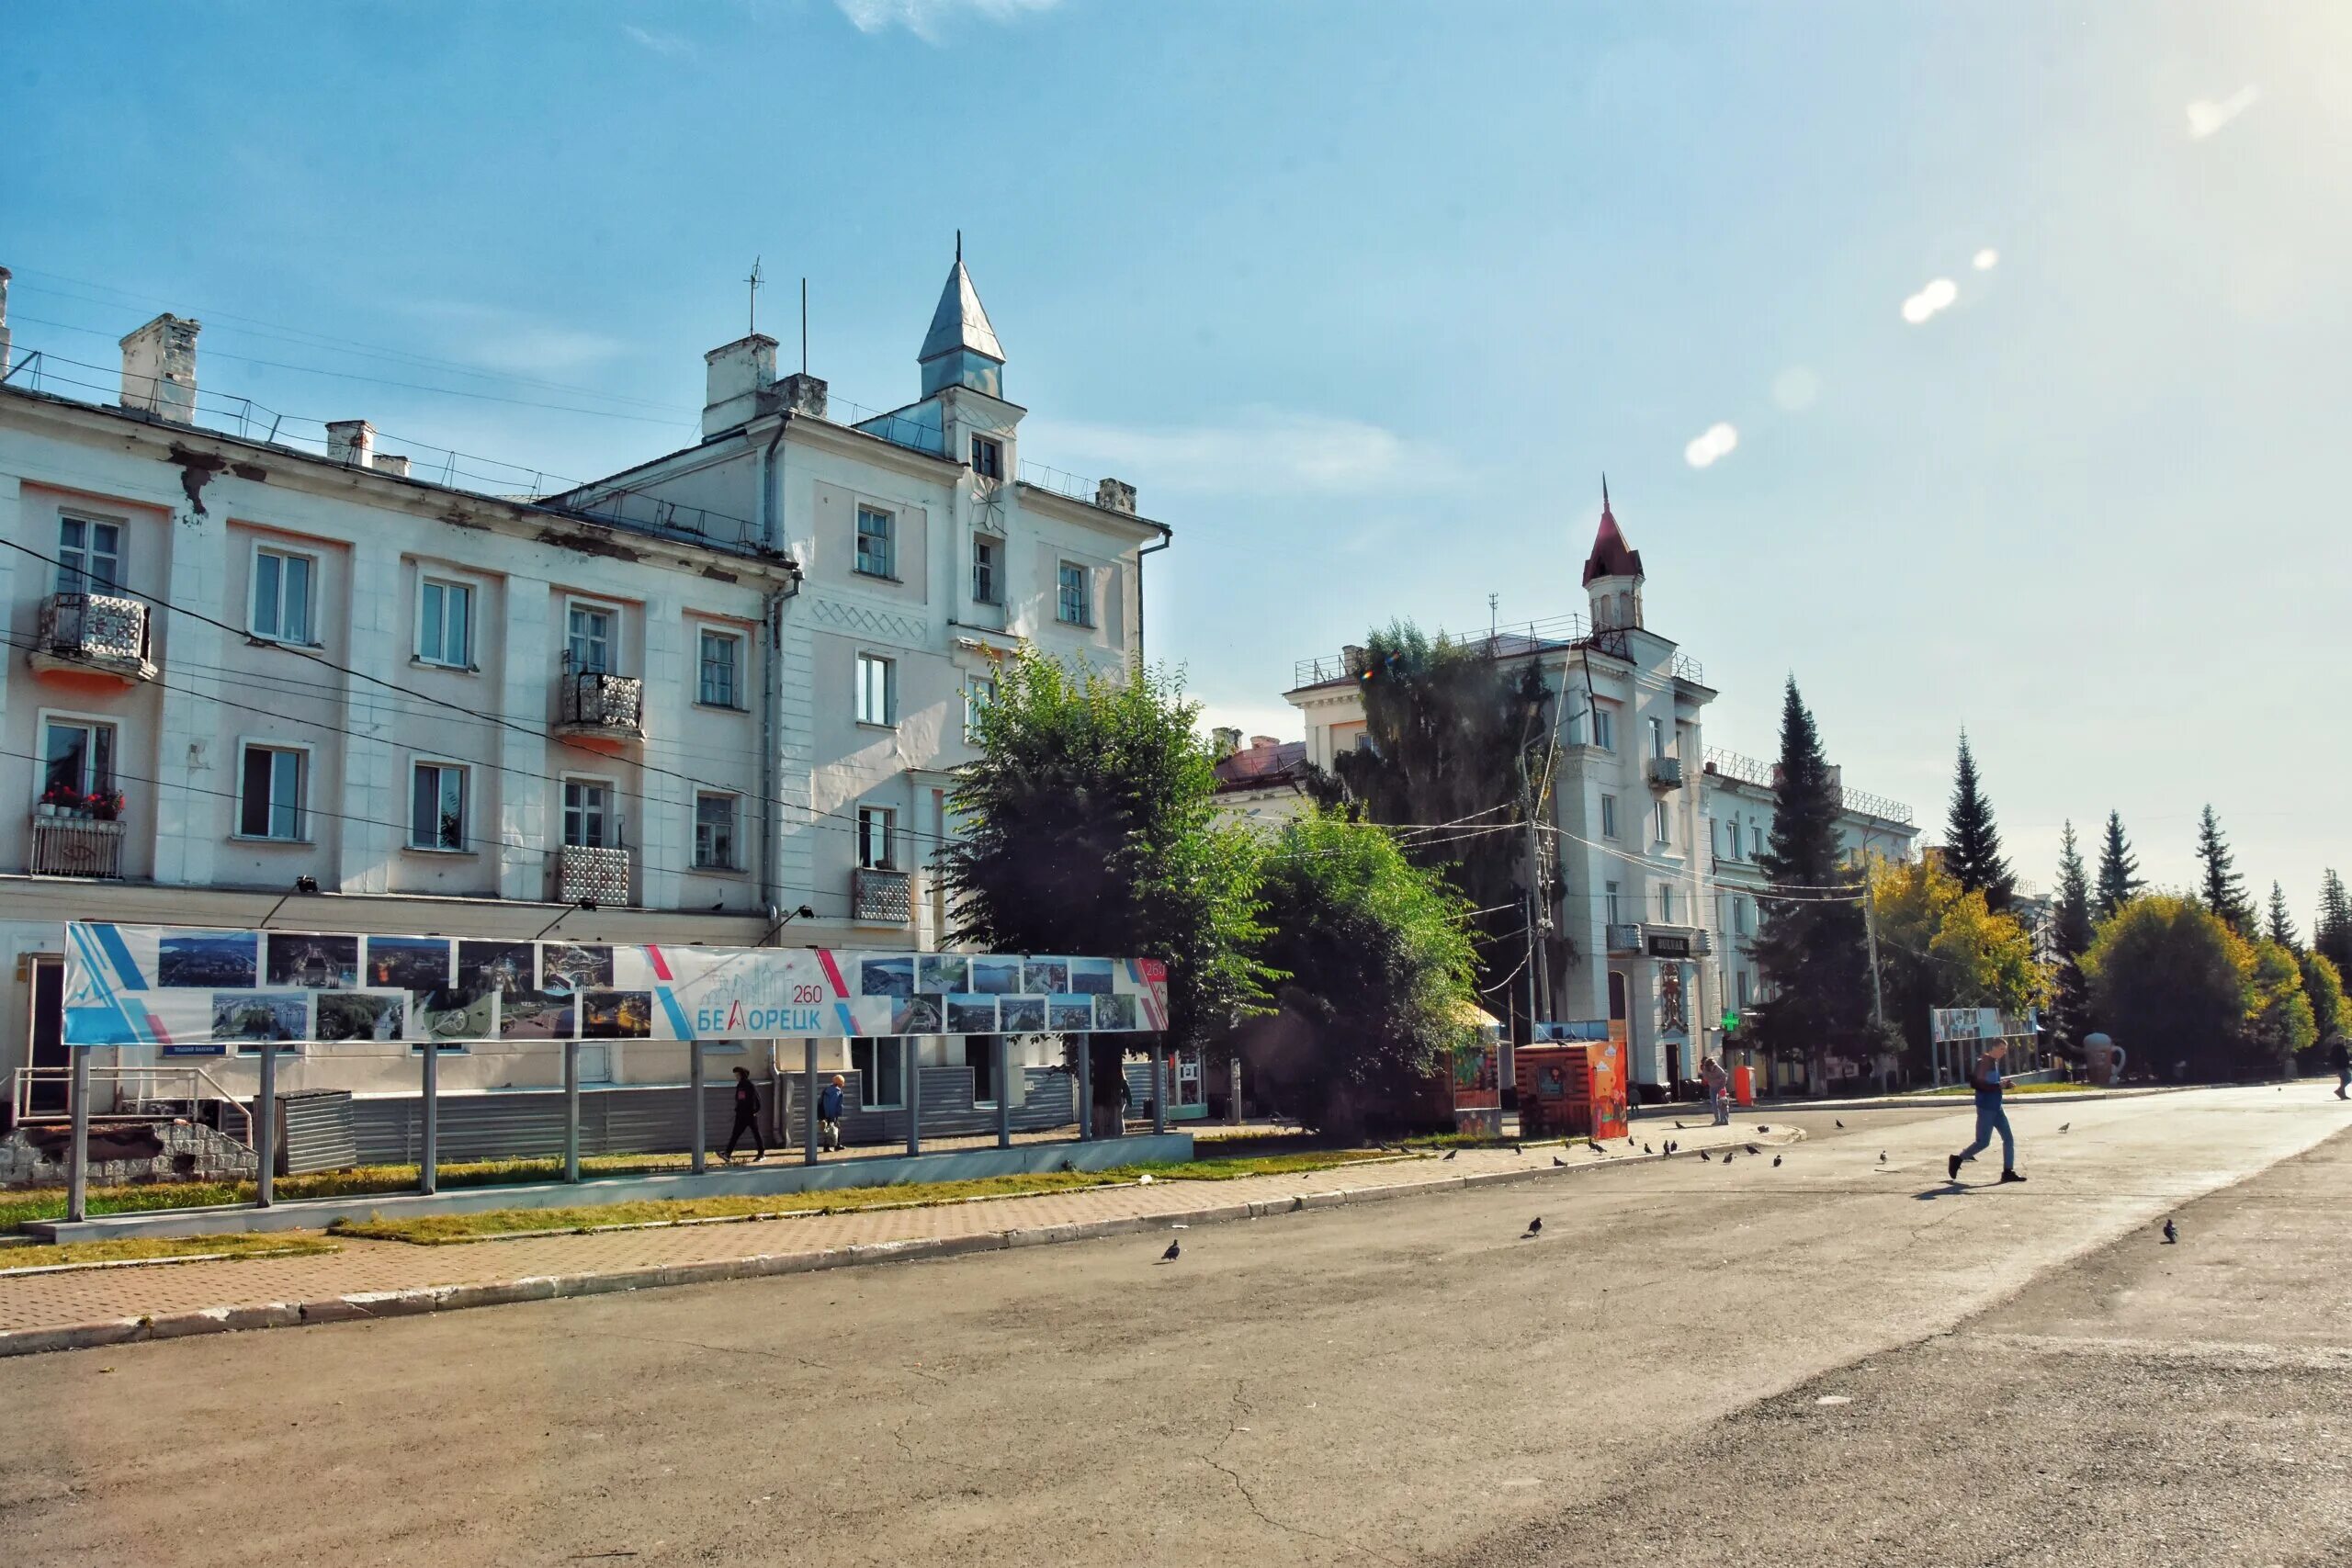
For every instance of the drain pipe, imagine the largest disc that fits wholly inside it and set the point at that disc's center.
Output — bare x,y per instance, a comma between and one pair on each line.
1166,537
771,668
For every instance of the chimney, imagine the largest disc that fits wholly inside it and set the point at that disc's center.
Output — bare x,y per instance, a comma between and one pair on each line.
4,276
1354,659
1116,495
739,373
391,463
803,394
1225,741
159,368
1263,742
351,442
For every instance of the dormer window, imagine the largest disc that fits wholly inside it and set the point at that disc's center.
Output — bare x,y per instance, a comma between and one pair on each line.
987,457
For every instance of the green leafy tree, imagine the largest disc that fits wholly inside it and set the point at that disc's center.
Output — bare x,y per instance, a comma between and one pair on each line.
1939,946
1088,825
2222,888
2323,988
2332,932
2070,938
2172,983
1376,972
1810,947
1973,844
1454,737
2280,925
2119,870
2280,1022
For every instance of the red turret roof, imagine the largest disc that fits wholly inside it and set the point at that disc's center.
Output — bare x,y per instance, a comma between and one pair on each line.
1611,556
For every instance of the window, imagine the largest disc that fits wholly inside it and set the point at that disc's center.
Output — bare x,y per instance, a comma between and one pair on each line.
588,821
1743,990
979,692
1738,915
879,1080
718,684
1604,730
77,757
437,814
1610,898
269,805
715,832
979,1055
588,639
875,557
445,623
878,690
987,569
89,556
877,830
1070,606
1755,840
1665,903
282,584
1664,820
988,456
1658,738
1607,816
1731,840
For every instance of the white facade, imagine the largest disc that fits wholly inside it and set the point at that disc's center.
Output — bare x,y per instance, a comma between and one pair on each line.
687,693
1659,921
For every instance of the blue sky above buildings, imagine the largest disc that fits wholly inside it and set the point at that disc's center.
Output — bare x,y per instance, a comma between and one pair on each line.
1365,298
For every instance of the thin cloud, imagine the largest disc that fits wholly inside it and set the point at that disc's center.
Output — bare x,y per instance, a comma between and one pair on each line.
927,19
1710,445
1796,389
667,44
1263,451
2206,117
1932,300
1986,259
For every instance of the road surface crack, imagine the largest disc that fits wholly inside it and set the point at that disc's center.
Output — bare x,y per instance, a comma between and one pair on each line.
1233,1424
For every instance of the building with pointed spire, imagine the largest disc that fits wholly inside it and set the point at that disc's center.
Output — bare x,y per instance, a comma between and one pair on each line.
1647,845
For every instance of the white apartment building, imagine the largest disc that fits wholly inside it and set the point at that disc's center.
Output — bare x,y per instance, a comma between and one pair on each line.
675,705
1656,834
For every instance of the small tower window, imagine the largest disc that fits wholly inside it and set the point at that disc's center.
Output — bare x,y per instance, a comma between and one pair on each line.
988,456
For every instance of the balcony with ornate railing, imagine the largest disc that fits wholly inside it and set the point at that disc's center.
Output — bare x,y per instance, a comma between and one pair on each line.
1666,772
106,633
592,702
1622,937
77,845
592,874
881,897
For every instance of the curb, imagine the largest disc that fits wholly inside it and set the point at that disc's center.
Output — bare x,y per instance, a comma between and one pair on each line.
365,1306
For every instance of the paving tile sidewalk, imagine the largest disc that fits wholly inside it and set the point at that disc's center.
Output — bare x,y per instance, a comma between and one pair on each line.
173,1291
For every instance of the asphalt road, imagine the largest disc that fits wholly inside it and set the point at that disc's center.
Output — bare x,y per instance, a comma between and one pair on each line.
2015,1375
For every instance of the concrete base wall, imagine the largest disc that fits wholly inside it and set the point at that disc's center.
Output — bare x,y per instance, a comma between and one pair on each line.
887,1170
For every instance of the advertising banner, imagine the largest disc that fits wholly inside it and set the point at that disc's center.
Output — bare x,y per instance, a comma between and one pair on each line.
1960,1025
186,989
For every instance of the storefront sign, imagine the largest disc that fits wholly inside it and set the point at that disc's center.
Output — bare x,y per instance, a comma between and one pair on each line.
179,988
1663,946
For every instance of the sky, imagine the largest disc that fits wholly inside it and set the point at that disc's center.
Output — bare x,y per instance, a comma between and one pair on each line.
1982,365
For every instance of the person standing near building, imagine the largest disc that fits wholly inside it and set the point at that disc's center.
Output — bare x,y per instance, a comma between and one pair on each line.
1718,1082
747,1118
2340,1058
828,1113
1991,1116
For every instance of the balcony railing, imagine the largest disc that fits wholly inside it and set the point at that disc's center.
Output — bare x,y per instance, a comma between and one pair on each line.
881,897
590,702
1624,938
102,631
1666,772
76,846
592,875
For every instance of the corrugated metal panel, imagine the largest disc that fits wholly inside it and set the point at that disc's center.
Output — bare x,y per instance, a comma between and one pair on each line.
316,1132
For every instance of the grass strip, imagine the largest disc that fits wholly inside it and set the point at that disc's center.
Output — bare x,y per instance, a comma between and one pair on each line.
441,1230
164,1249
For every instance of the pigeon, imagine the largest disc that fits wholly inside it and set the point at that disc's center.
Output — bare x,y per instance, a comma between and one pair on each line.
1761,1128
1672,1144
1839,1122
2063,1126
1451,1152
2172,1233
1517,1150
1754,1150
1175,1250
1678,1126
1726,1157
1646,1148
1535,1226
1776,1162
1882,1157
1705,1155
1557,1160
1596,1148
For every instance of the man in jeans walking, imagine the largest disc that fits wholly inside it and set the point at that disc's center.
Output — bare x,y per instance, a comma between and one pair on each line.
1991,1118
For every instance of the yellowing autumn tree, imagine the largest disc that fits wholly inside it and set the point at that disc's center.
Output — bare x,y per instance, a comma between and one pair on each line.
1938,945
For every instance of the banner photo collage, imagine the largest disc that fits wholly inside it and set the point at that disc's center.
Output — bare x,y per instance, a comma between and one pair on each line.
184,988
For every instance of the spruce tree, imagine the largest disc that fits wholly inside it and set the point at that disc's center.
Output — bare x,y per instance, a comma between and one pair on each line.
2332,932
1810,945
2225,890
1972,845
2281,926
2119,871
2070,938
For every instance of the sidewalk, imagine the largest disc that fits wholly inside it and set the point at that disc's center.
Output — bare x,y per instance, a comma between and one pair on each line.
369,1279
